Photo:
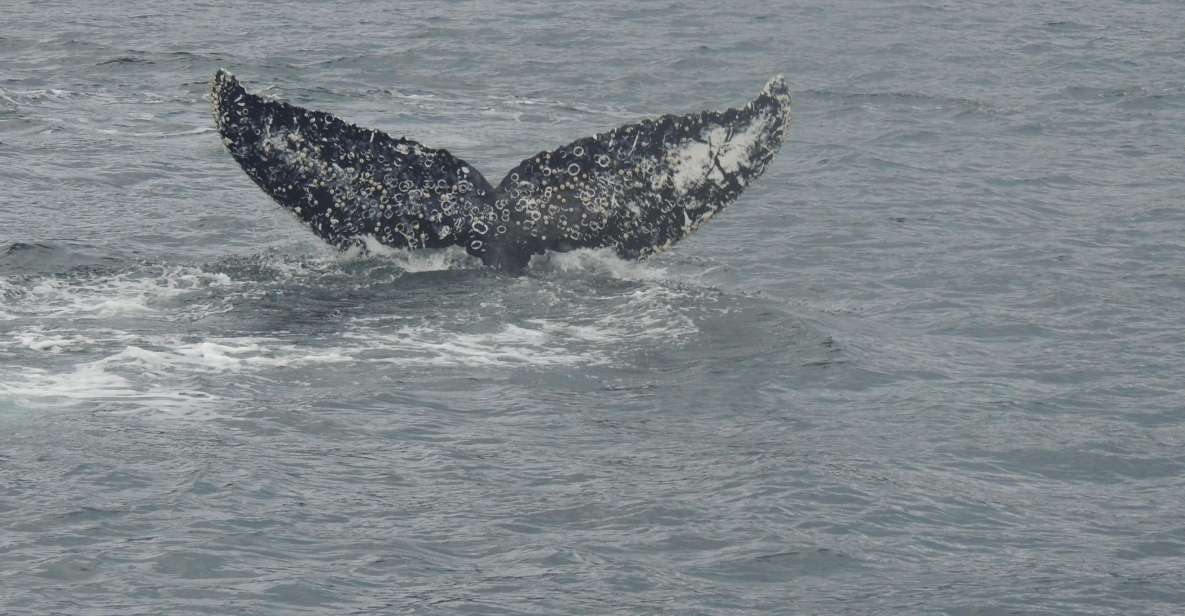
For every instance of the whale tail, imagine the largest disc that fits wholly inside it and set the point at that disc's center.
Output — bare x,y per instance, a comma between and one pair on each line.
636,189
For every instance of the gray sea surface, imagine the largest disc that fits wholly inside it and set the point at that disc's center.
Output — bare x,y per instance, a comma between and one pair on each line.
931,363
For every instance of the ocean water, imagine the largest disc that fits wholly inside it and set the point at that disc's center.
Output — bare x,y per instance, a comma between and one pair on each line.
930,363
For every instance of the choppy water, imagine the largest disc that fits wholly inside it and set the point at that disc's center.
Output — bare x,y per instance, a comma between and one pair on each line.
930,364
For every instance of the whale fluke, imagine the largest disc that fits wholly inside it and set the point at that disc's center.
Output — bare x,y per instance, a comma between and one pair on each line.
636,189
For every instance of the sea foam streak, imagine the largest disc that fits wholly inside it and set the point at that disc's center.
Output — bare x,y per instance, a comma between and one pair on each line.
110,341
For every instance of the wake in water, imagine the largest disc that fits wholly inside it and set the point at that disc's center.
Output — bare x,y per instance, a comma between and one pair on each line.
197,340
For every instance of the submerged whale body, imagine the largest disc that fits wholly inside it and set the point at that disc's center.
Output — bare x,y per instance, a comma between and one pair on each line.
636,189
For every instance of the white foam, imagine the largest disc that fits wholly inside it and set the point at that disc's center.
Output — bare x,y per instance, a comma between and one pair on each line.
651,312
597,261
509,346
37,339
8,295
99,388
27,97
571,331
126,294
220,355
88,381
586,333
451,258
583,260
83,361
157,372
